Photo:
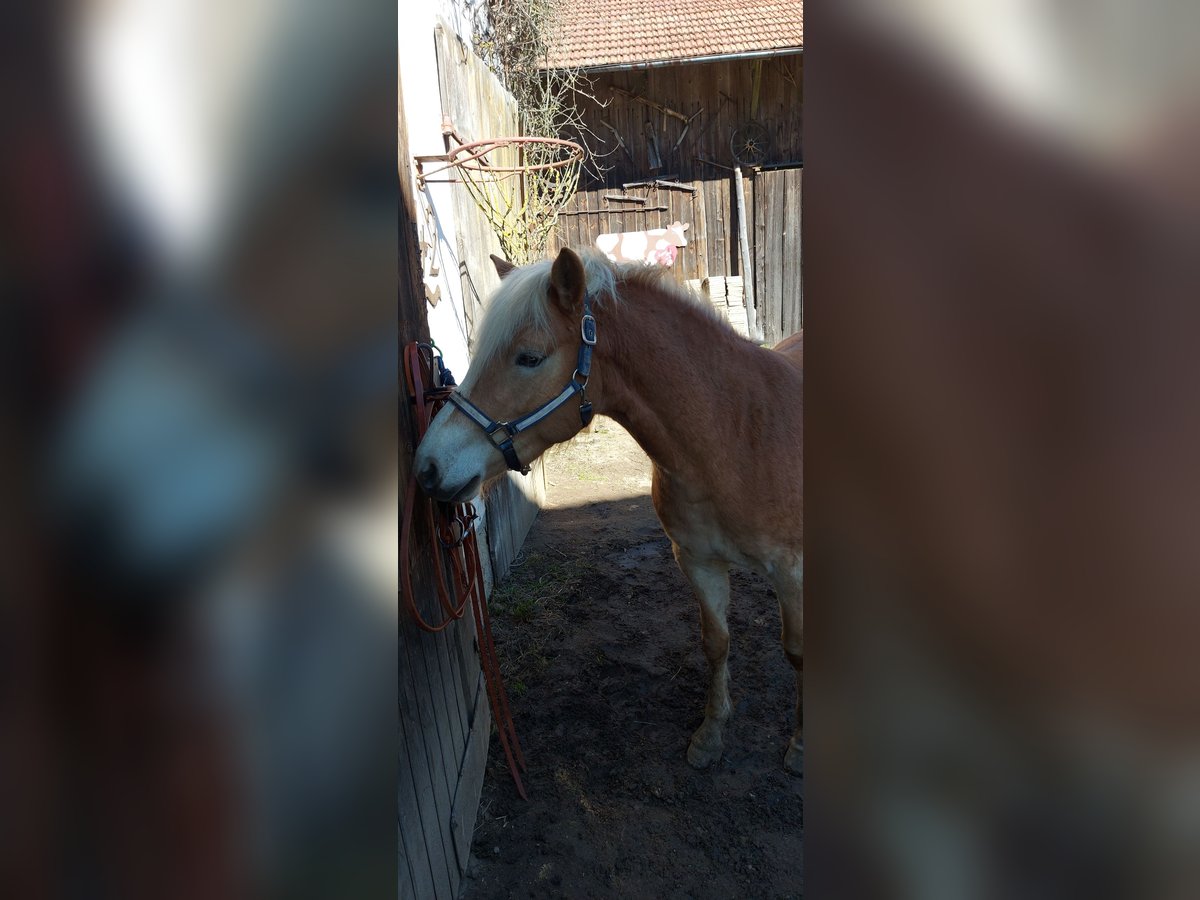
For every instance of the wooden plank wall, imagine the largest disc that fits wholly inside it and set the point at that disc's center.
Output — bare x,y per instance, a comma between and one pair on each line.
590,214
480,107
725,91
778,281
773,199
773,210
444,721
773,203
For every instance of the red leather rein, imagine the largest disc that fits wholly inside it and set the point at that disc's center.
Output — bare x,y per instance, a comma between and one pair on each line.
452,548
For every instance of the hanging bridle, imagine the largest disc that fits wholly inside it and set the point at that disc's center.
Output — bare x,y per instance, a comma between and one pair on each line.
501,434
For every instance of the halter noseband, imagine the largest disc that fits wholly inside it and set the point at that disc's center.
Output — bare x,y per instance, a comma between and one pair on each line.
501,434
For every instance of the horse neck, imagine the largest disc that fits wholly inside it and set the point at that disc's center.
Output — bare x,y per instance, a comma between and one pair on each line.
671,374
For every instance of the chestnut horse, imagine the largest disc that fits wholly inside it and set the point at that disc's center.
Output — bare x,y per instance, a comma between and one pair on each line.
720,418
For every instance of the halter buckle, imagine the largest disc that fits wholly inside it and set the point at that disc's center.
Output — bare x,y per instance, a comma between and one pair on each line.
587,330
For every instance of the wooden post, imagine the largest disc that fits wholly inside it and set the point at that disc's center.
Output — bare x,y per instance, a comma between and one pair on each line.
747,269
758,67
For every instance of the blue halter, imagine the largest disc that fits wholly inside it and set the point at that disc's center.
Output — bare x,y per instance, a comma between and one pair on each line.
501,434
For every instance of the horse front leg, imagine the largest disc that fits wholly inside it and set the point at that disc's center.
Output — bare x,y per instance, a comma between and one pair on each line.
790,590
710,581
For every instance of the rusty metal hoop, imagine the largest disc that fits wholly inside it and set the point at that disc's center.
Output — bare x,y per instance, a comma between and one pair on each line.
472,157
521,193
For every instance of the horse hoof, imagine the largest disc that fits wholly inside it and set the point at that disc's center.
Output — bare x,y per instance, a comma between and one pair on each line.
793,760
701,758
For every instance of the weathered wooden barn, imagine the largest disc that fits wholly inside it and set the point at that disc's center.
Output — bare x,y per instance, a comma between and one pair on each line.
683,92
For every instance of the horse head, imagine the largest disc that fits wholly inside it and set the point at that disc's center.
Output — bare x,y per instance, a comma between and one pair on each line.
528,386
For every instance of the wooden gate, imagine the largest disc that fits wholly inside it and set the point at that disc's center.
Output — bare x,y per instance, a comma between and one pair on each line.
444,721
778,282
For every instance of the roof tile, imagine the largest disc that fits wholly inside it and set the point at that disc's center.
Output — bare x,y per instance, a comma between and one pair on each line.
594,33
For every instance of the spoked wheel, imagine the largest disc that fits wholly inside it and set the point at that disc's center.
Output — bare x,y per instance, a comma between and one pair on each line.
750,144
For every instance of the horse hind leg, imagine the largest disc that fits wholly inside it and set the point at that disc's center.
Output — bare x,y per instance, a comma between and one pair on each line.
791,611
710,581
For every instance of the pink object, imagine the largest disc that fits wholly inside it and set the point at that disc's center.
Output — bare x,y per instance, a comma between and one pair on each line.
657,246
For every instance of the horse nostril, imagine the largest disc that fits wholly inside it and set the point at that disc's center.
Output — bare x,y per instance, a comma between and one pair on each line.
428,476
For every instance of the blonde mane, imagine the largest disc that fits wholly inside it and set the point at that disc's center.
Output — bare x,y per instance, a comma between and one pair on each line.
522,299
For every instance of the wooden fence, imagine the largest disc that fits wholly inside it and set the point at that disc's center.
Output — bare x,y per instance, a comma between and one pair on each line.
479,107
444,718
776,251
443,715
709,206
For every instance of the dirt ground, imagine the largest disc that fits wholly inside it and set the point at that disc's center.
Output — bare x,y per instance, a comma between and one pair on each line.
598,634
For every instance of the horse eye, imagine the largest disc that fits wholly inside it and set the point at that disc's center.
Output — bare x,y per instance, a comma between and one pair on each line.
529,360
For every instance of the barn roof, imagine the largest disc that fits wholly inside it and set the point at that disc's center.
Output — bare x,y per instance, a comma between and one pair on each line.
601,34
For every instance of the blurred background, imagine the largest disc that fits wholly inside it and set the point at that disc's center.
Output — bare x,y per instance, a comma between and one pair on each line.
197,631
1000,224
197,620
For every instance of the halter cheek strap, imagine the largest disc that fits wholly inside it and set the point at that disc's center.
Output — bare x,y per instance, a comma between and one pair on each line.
501,434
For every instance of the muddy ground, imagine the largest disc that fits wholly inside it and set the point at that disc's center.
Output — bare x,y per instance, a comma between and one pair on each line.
598,634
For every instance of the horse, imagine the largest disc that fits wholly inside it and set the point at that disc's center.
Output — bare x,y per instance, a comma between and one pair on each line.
720,418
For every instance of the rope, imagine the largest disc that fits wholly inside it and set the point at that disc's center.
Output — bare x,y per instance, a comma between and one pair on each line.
452,545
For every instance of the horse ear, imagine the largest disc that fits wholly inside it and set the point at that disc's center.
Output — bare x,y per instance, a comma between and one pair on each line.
503,266
568,282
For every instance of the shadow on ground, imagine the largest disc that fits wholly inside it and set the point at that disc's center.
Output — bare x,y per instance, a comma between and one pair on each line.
599,638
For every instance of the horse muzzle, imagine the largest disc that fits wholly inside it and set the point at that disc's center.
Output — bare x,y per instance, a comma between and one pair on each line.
432,481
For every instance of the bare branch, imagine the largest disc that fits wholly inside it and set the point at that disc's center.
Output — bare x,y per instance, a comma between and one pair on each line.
515,38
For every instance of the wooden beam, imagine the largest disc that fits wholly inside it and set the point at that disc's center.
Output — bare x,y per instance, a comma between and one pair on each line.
631,211
758,67
620,140
653,104
690,188
465,808
687,127
747,268
651,183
